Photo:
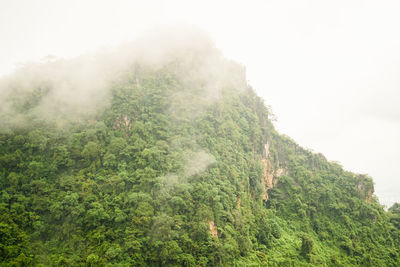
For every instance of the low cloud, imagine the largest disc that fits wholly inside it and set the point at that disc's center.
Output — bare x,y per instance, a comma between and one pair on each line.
62,91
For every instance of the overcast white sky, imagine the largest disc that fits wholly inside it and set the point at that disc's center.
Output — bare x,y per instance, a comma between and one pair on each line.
329,69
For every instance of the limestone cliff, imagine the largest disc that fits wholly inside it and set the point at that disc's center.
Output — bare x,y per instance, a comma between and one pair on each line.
213,228
270,174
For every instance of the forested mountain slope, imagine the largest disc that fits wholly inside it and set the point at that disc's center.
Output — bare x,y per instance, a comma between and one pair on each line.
167,157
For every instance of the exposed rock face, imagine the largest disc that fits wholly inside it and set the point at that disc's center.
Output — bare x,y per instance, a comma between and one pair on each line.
270,175
125,122
367,194
213,228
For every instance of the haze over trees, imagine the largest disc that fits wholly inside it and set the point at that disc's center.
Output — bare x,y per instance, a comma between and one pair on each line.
157,155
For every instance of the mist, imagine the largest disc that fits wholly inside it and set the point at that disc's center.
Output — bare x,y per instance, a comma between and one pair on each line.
74,90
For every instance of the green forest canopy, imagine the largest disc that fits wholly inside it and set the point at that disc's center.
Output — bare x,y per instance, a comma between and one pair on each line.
171,162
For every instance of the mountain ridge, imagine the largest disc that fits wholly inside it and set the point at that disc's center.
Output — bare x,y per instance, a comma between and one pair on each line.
172,161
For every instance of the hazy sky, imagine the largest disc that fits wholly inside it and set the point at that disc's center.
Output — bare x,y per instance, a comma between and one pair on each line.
329,69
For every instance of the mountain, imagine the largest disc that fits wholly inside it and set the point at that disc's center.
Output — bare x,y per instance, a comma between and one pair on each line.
163,155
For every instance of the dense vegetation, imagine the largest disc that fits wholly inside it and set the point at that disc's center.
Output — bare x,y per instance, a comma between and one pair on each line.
170,173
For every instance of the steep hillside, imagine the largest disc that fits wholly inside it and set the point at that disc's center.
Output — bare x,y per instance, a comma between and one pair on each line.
169,158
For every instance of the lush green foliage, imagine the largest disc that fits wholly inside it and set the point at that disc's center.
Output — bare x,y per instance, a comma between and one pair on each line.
141,182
